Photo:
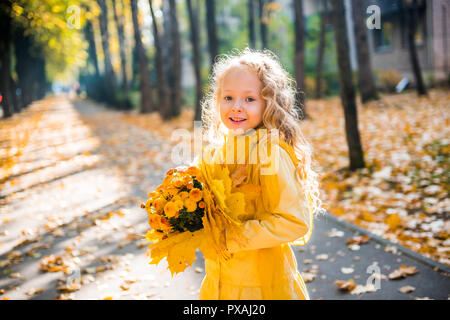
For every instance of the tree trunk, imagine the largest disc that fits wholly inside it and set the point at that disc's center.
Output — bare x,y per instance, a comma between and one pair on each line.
299,58
175,63
410,13
5,56
167,44
121,34
251,23
15,98
196,58
144,73
134,82
22,45
40,77
321,49
91,82
163,94
110,77
92,50
347,90
366,81
263,25
211,27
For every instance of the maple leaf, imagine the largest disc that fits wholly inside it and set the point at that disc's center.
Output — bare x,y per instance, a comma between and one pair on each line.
179,249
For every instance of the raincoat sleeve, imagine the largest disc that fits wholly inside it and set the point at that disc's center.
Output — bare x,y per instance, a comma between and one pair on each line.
287,215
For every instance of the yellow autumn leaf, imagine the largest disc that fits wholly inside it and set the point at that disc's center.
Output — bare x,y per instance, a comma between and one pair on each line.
250,191
393,221
337,211
236,204
345,285
179,249
367,216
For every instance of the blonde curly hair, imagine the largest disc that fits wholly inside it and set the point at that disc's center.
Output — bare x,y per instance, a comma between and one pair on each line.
279,92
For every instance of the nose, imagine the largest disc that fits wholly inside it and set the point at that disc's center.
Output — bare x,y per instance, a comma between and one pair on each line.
237,107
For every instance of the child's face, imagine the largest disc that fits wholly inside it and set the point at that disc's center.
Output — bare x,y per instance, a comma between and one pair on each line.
241,105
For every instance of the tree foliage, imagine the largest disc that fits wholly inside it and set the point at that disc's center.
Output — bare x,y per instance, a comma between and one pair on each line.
55,27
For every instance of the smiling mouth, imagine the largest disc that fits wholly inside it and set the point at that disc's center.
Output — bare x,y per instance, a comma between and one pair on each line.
237,120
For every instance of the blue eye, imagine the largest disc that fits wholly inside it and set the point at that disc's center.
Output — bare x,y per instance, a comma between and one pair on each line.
228,98
250,99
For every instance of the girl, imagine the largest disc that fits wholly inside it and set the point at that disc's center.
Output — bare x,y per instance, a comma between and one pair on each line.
252,96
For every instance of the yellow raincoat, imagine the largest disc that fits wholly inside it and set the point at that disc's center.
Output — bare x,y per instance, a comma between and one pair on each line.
265,267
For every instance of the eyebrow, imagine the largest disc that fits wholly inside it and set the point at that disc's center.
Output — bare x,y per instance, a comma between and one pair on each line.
246,91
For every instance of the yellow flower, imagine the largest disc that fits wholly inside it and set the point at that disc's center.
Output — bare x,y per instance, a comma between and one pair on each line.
165,225
170,209
154,221
178,182
183,195
201,204
179,204
193,171
159,203
171,171
172,191
195,194
186,180
190,205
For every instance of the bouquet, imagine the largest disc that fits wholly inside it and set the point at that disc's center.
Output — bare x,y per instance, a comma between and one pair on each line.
177,204
191,209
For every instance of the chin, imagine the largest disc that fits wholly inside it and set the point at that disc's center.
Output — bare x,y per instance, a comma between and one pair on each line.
240,128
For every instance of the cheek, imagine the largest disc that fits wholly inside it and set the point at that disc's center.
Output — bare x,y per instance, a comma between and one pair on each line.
257,111
223,110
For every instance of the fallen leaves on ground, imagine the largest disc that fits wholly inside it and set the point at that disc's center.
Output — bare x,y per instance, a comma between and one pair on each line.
360,289
353,288
347,285
406,289
403,193
322,257
308,276
15,133
348,270
53,263
334,233
358,240
68,287
403,272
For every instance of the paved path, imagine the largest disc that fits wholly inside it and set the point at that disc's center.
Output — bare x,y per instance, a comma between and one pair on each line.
75,195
